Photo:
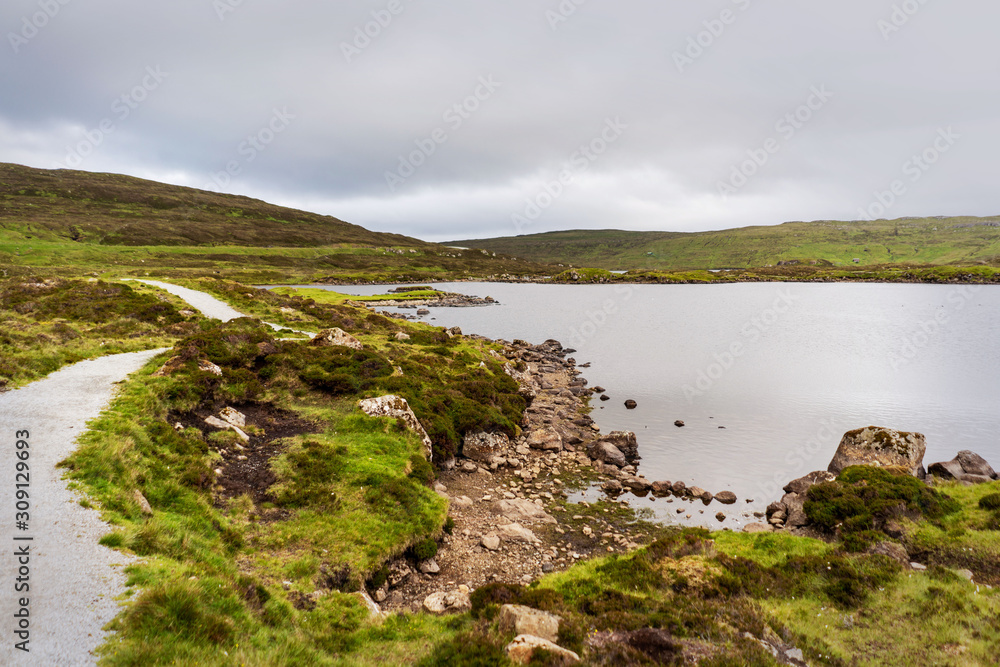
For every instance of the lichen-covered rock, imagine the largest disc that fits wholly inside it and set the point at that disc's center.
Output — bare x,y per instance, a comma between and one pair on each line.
234,417
397,408
448,603
336,336
523,648
528,388
521,620
208,367
483,446
545,439
880,447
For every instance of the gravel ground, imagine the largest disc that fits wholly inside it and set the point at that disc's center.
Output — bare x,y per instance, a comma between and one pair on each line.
73,580
207,304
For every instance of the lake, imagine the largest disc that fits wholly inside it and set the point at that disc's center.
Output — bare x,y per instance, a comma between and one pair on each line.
766,376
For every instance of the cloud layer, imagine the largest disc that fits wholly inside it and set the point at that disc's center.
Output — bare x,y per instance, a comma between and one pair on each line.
448,120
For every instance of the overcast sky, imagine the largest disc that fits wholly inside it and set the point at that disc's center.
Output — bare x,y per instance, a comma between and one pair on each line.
447,120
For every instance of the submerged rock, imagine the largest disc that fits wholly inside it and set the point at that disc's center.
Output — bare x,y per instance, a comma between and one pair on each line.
880,447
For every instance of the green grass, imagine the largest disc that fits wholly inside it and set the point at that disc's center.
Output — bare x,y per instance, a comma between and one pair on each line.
955,240
49,323
331,297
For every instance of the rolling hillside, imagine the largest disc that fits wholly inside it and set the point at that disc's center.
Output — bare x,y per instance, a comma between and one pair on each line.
959,240
65,222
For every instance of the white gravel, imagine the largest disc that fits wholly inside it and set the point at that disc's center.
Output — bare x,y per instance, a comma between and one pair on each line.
73,580
207,304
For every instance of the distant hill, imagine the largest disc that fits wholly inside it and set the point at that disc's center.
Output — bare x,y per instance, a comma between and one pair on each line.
66,222
112,209
956,240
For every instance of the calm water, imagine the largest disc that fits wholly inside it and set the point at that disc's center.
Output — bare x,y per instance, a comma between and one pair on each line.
785,368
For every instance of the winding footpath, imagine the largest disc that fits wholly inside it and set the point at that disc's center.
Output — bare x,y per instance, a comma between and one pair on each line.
72,581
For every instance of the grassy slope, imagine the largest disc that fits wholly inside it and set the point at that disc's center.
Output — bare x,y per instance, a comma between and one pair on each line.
68,222
959,240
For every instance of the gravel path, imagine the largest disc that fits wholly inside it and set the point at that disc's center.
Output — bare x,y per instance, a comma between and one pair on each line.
209,305
73,580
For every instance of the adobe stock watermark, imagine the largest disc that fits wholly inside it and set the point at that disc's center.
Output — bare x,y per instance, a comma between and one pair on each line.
927,331
579,163
251,148
595,319
714,28
902,13
32,24
787,127
750,334
563,12
366,34
224,8
121,108
913,169
797,460
454,117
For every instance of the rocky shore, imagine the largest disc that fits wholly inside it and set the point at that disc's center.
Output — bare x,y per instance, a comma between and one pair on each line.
509,498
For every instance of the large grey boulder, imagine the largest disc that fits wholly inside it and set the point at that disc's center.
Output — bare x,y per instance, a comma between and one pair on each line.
483,446
397,408
336,336
881,448
520,620
966,467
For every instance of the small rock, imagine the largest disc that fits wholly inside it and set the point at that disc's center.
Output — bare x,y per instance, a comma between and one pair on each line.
142,502
515,532
521,650
605,397
631,405
491,542
757,528
446,603
679,423
726,497
520,620
429,566
209,367
720,516
234,417
918,567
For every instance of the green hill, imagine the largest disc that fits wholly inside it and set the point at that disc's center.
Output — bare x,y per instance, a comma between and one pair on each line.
955,240
65,222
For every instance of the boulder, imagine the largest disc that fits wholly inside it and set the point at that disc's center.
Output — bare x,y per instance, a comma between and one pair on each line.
966,467
521,650
802,484
605,452
336,336
521,620
483,446
234,417
397,408
626,443
638,485
143,504
880,447
209,367
726,497
612,487
546,439
429,566
522,510
661,489
448,603
679,488
515,532
893,550
794,506
491,542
